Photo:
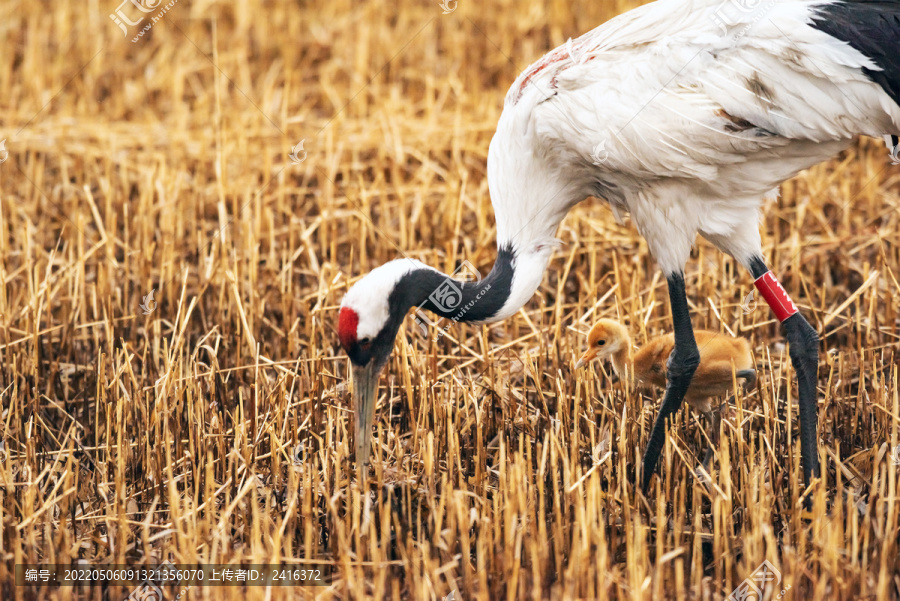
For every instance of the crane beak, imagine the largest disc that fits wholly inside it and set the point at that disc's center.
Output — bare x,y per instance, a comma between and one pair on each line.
365,385
588,356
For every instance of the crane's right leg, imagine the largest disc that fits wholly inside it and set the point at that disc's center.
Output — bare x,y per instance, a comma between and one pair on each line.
804,353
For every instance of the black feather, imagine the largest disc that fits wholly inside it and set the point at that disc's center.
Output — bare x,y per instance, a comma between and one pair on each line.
871,27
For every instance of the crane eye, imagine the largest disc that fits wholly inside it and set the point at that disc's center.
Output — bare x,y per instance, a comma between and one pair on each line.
365,343
601,342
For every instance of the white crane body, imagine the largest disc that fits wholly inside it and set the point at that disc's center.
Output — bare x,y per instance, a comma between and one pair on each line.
685,114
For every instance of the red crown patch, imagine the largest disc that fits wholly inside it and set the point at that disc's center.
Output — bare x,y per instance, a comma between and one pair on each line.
347,323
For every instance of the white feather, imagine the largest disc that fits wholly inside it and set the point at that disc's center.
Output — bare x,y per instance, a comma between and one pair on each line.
699,121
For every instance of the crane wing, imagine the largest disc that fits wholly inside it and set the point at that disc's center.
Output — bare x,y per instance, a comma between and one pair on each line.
686,113
672,93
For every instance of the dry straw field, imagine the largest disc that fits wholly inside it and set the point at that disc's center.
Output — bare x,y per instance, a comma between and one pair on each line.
214,424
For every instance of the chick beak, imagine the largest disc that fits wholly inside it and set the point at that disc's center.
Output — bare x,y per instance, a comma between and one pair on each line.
586,358
365,384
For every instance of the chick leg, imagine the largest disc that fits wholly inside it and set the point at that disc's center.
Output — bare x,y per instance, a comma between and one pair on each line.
681,366
714,418
804,351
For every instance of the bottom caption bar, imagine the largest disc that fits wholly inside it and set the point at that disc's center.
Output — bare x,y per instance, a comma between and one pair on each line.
172,574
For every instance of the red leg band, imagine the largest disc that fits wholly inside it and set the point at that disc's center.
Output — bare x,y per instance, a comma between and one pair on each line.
771,290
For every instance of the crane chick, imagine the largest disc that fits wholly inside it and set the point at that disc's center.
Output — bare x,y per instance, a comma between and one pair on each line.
609,338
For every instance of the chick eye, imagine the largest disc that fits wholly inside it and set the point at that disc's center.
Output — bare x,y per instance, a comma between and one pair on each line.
601,342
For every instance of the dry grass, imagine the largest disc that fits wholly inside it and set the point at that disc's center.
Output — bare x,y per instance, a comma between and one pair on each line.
499,471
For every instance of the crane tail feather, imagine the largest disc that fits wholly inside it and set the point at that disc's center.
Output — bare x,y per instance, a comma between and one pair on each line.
873,28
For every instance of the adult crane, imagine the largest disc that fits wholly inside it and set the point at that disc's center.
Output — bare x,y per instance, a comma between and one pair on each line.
686,114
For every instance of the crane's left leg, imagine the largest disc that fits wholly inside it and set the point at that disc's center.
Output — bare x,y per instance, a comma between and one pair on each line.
804,353
680,370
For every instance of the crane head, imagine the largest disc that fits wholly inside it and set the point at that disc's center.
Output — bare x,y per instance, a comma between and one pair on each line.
367,361
605,339
370,317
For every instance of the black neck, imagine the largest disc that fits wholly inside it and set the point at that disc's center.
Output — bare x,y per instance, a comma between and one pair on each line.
459,301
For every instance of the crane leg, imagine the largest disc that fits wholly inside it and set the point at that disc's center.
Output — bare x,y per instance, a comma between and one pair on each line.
681,366
804,351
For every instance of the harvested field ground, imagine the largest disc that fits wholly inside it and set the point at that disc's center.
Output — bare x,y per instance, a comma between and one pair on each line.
213,424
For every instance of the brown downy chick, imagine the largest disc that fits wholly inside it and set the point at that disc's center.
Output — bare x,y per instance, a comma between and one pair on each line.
609,338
